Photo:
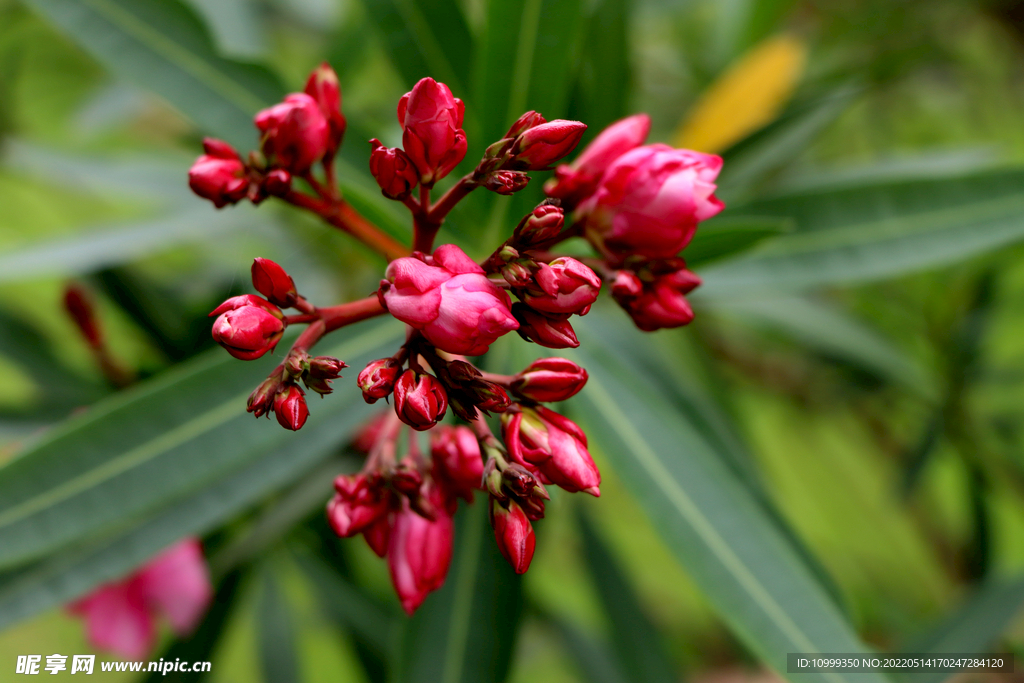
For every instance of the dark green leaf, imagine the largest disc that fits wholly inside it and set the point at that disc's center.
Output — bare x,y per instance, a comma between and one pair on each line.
465,632
603,81
634,638
733,550
594,658
152,445
731,235
279,658
160,45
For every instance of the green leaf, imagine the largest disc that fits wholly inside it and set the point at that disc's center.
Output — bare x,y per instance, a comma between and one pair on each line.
730,235
425,38
100,246
75,571
162,46
635,639
154,444
974,626
604,77
593,657
830,331
279,658
859,235
734,551
465,632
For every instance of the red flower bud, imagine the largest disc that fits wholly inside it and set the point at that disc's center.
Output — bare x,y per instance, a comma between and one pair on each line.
377,379
626,284
295,133
273,282
358,503
248,326
514,534
544,223
218,175
657,301
525,122
277,183
541,146
378,536
322,370
393,170
79,306
549,379
420,551
553,332
261,400
565,286
290,408
554,445
420,400
457,464
323,87
432,122
506,182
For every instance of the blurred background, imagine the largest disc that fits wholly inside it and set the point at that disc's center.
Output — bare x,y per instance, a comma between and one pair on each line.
841,429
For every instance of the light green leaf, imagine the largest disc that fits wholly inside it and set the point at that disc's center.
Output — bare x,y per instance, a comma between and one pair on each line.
722,535
593,657
465,632
161,45
279,658
152,445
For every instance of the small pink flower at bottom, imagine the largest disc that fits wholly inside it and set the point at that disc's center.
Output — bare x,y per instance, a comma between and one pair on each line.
420,551
513,533
120,617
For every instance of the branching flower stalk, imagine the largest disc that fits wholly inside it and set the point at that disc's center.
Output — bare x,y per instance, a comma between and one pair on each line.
637,205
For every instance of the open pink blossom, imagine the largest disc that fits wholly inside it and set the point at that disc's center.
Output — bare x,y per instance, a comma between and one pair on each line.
449,299
650,201
120,617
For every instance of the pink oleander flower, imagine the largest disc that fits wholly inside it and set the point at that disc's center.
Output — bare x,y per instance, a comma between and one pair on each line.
433,138
552,445
218,175
393,170
650,201
359,502
449,299
658,303
295,134
323,87
273,282
565,286
542,145
248,326
120,616
420,400
549,331
457,464
577,180
513,533
420,550
547,380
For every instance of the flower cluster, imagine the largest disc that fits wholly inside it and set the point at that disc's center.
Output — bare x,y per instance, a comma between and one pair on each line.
637,205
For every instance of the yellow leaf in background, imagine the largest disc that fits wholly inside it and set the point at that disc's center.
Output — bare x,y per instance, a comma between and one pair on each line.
746,97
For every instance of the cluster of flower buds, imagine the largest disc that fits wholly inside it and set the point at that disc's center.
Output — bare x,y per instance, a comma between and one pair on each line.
637,205
304,129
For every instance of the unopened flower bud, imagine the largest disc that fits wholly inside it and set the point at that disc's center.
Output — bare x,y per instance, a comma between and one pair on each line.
261,400
322,370
460,371
513,533
323,87
525,122
406,478
432,136
626,284
517,274
273,282
377,379
506,182
290,408
277,183
248,326
420,400
549,379
553,332
541,146
377,536
565,286
393,170
457,465
295,133
420,551
553,444
543,224
218,175
489,397
358,503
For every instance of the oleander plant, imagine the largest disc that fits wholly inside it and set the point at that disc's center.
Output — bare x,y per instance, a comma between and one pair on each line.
641,341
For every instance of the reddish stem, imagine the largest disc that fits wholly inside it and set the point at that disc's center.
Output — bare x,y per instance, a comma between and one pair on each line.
341,215
335,317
